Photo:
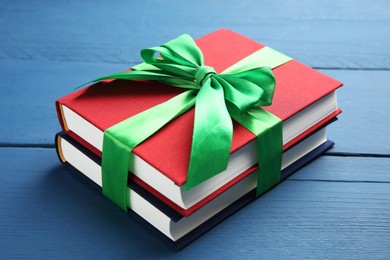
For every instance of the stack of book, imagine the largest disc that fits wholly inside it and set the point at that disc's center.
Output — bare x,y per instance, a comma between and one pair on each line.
304,99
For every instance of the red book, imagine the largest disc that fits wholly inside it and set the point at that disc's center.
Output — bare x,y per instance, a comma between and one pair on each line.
304,99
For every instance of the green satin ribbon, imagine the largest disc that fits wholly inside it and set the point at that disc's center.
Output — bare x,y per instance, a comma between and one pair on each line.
238,92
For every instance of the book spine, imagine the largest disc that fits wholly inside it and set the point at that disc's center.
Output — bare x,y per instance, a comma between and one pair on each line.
61,117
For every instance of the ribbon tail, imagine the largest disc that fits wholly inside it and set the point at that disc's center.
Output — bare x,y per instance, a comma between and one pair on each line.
120,139
268,129
212,136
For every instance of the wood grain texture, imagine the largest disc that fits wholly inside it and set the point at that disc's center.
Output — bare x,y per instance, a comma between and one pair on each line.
336,34
47,211
346,169
27,102
364,124
337,207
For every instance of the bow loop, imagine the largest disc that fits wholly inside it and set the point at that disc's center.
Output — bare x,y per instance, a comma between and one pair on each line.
168,62
178,57
185,48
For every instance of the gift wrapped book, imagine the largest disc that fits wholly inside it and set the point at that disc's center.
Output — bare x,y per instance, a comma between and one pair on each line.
197,131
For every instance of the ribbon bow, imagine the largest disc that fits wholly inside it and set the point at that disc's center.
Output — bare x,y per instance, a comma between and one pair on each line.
217,98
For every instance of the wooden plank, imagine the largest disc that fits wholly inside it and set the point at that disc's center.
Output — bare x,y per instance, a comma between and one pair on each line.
365,120
337,220
28,90
345,169
46,211
331,34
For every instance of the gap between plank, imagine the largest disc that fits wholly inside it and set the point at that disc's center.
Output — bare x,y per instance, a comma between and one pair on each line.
337,154
322,180
7,145
132,63
351,68
52,146
347,154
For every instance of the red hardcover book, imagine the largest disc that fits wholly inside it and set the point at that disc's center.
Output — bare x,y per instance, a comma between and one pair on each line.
304,99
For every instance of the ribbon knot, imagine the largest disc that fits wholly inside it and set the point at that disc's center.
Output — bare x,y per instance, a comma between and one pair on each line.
203,73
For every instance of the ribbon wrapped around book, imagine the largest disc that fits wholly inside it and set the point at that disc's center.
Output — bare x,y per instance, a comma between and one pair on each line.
238,93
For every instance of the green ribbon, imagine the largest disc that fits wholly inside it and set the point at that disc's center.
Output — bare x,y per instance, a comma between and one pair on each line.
238,93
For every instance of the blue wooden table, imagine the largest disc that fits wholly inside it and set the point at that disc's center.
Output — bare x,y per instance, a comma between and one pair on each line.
337,207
